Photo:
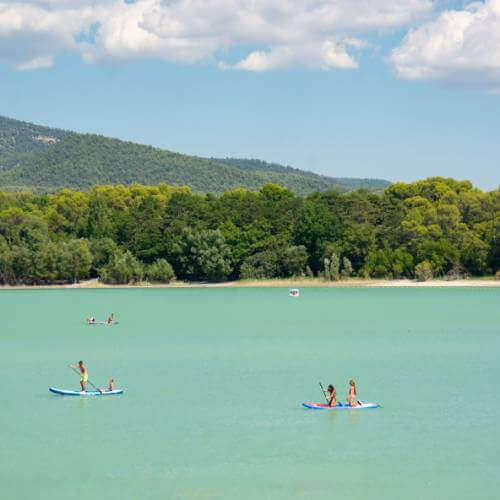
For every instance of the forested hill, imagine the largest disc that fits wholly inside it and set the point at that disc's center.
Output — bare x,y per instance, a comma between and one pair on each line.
19,139
342,183
43,158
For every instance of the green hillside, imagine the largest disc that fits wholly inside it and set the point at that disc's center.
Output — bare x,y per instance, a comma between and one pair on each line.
18,140
345,183
43,158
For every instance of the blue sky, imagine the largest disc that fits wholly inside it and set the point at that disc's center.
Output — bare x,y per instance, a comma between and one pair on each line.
360,102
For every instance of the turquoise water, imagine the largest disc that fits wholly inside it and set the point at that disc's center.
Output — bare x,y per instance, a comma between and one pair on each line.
214,379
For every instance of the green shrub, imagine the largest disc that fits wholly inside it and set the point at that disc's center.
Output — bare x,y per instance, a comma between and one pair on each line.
293,261
122,269
102,250
423,271
346,268
160,271
261,265
378,264
331,267
202,255
387,263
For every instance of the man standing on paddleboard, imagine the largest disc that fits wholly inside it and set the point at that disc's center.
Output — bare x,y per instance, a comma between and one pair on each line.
84,374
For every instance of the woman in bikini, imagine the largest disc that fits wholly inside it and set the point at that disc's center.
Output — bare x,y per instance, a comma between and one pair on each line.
332,394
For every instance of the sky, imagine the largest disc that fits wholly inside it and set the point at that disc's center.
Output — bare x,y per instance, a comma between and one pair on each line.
392,89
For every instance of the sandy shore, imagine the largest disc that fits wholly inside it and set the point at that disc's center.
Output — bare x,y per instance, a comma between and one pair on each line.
284,283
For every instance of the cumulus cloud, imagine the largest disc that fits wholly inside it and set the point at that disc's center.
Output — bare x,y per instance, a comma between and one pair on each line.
458,46
328,55
317,33
32,33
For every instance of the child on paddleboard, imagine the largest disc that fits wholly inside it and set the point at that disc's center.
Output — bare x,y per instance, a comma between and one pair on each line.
353,397
84,374
111,386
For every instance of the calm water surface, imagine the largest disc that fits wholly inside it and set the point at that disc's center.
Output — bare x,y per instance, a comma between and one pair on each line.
214,379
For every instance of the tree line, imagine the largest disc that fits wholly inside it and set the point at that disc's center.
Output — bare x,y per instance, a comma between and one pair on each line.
432,227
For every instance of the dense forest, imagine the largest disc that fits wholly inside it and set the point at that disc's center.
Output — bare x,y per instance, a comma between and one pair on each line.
433,227
44,159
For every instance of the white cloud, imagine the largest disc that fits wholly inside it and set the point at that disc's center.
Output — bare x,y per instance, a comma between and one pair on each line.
316,33
459,46
37,63
263,61
329,55
336,56
32,33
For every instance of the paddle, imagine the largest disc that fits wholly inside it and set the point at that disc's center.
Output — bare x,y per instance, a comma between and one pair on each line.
76,371
324,393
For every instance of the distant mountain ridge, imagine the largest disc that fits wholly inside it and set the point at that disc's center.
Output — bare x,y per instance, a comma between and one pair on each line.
253,165
44,158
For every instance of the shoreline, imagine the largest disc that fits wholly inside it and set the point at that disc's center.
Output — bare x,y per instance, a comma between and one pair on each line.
488,282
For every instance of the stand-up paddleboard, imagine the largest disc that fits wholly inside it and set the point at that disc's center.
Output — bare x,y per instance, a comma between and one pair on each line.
64,392
340,406
102,323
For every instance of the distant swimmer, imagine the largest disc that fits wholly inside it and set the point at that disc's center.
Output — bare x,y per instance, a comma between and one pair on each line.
332,396
353,396
84,374
111,319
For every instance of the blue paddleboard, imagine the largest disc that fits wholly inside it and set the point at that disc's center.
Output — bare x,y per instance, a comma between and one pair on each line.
64,392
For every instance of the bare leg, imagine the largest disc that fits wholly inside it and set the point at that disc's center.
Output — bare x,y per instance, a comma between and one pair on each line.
83,384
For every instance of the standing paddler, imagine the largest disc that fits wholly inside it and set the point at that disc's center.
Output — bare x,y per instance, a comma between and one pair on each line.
84,374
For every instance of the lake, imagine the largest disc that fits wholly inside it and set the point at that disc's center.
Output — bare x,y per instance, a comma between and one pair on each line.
214,380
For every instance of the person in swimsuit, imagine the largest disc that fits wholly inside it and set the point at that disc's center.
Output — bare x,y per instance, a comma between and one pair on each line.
353,397
111,319
332,395
111,386
84,374
91,320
